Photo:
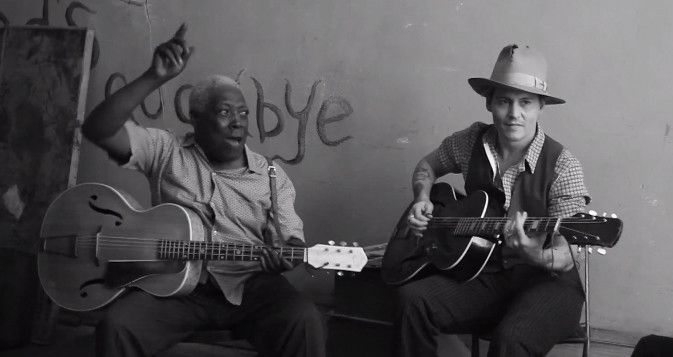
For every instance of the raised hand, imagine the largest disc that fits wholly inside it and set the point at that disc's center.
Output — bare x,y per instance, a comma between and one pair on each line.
170,58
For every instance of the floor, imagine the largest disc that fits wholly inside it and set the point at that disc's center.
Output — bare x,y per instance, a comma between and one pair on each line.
78,341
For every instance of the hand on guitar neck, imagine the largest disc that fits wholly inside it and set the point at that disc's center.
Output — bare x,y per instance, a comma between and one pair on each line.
531,246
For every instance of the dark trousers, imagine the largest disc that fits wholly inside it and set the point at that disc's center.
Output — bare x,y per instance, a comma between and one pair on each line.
273,316
526,309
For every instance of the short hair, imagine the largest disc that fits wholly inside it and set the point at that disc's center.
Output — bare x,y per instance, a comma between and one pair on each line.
201,92
489,97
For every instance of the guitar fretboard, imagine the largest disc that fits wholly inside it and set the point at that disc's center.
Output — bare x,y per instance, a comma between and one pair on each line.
189,250
491,225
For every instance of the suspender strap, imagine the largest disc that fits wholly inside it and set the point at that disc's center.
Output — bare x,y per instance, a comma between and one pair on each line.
273,239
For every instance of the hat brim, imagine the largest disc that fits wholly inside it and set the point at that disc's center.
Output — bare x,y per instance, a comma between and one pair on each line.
483,85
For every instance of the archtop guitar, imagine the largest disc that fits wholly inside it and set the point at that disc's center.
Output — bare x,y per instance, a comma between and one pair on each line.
463,234
97,242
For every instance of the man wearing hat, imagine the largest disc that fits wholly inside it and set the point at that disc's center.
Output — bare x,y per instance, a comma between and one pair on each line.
529,295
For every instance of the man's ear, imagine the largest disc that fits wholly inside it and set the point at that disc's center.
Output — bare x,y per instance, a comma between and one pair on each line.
488,104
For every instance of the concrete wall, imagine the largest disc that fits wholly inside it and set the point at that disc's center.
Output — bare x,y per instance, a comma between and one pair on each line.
402,68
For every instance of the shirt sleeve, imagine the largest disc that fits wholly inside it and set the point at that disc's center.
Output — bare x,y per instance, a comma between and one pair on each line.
568,195
453,154
291,225
150,147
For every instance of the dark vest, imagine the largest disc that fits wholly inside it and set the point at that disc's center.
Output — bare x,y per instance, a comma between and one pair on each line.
531,189
529,193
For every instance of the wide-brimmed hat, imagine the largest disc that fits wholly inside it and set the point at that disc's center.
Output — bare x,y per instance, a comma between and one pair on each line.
518,67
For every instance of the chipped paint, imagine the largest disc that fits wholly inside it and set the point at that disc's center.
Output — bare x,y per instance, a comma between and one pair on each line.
403,140
13,203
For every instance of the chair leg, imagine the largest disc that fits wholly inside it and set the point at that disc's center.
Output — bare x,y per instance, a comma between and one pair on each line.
587,300
475,346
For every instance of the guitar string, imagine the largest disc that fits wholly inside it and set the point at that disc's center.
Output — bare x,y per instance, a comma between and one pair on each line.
179,247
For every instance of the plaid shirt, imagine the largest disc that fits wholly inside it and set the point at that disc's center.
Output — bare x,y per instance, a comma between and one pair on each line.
567,195
233,204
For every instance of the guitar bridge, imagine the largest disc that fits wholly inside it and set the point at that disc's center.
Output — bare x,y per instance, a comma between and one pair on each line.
61,245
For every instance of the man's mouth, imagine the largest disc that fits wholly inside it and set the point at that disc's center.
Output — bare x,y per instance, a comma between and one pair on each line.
235,139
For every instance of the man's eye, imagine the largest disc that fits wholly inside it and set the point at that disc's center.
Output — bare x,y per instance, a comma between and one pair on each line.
525,102
224,112
244,113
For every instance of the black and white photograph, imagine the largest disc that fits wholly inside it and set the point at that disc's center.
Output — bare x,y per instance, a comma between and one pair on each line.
336,178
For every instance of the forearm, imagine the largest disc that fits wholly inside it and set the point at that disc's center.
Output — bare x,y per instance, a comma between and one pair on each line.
422,180
109,116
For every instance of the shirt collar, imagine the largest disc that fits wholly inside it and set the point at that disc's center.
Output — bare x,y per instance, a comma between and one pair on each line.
254,164
533,151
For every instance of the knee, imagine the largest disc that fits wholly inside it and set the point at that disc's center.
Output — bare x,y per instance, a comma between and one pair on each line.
303,311
409,299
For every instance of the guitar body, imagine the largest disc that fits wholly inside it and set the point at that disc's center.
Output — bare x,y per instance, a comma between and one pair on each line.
460,257
79,272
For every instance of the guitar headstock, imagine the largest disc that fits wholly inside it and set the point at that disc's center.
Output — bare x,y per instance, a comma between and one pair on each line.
591,229
336,257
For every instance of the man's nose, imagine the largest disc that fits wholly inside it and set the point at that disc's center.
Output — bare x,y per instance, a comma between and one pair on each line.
236,120
514,110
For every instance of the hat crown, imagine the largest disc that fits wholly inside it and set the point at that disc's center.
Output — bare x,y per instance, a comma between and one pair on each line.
521,65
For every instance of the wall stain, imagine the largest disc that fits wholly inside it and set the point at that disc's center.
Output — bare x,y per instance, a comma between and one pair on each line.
261,105
4,20
322,120
179,111
44,20
71,22
302,117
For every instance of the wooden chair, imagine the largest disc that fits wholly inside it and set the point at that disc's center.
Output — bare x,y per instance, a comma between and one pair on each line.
581,335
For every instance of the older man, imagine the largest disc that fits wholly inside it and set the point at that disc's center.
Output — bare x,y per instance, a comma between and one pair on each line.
212,172
529,295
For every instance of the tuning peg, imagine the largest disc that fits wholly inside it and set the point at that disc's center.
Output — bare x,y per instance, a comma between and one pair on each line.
605,214
613,215
356,244
579,249
591,250
601,251
343,244
330,242
593,213
340,273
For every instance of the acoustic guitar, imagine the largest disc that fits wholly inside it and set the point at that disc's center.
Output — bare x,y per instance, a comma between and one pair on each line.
463,234
96,242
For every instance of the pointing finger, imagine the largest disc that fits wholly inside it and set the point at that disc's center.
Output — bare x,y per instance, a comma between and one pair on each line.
180,34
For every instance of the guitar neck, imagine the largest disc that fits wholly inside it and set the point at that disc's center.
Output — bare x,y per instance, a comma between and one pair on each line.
492,226
190,250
